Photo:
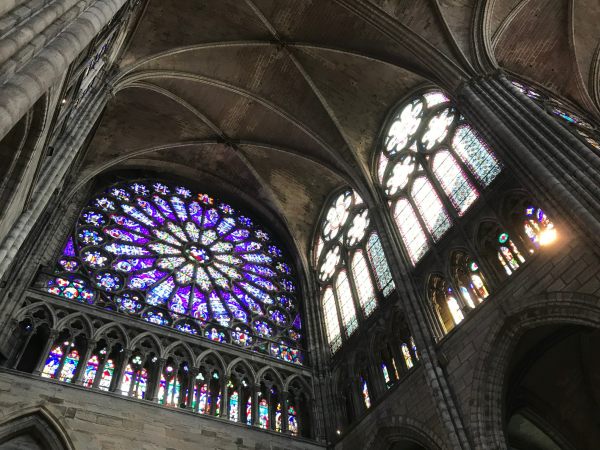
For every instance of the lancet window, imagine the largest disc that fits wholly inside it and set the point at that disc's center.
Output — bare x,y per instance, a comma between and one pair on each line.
432,167
352,268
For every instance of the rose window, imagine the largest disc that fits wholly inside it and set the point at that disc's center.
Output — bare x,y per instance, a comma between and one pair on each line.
184,260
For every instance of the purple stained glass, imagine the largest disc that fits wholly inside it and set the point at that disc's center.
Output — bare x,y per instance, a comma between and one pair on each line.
168,253
69,249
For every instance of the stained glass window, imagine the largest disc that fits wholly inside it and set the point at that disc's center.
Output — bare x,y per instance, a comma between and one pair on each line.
509,256
433,141
364,285
263,414
52,362
349,258
386,375
410,229
458,188
234,406
538,227
107,374
383,276
407,357
332,325
188,261
292,421
586,130
70,365
365,392
90,371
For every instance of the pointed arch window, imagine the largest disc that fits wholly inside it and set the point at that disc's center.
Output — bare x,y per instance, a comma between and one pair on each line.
586,130
352,268
432,167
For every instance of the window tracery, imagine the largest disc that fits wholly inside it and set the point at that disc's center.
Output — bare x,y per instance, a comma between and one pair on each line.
432,167
351,266
187,261
587,131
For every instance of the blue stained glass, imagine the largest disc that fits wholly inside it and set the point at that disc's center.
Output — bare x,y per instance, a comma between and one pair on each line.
150,210
109,281
129,302
105,204
129,223
199,308
94,218
257,293
163,206
179,207
69,249
225,226
250,303
275,251
89,237
161,188
120,194
241,336
159,294
187,328
140,189
182,258
234,307
68,264
227,209
184,192
247,246
297,322
127,236
195,212
156,317
246,221
265,284
284,268
179,303
288,285
260,258
131,265
145,279
262,328
211,217
218,310
214,334
123,249
238,235
278,317
260,270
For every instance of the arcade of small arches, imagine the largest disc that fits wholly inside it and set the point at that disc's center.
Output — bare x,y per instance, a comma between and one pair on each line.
73,348
212,285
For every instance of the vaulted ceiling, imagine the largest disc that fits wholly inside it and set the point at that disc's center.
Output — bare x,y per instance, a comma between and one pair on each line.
283,99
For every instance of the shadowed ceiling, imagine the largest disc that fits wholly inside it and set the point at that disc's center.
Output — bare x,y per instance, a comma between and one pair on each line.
283,99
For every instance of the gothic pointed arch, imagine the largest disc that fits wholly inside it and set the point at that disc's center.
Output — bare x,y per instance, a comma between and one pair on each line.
34,429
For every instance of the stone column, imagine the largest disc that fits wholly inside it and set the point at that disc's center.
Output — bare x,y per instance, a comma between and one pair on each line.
42,361
225,398
17,357
120,373
192,374
284,411
156,382
22,89
255,391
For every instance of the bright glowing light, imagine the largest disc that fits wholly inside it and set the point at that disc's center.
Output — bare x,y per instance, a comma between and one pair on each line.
548,236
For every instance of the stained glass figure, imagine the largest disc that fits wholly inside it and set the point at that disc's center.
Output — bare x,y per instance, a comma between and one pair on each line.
509,256
365,392
386,375
107,375
91,369
234,406
292,421
70,365
407,357
53,362
263,414
162,253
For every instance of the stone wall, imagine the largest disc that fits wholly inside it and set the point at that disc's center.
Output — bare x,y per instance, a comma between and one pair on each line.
107,421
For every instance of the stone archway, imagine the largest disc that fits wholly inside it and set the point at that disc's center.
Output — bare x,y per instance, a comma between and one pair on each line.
489,386
37,430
